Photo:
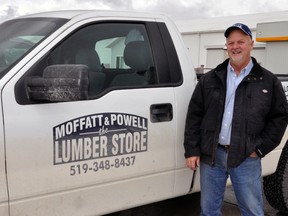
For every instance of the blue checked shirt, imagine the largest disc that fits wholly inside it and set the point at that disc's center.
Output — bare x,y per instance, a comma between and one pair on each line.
232,83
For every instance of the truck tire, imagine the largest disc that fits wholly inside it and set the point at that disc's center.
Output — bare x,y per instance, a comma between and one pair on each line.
276,185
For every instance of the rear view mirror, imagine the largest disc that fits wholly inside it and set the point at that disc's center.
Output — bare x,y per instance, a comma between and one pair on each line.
59,83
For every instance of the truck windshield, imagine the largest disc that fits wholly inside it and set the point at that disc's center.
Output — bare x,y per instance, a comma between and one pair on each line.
20,36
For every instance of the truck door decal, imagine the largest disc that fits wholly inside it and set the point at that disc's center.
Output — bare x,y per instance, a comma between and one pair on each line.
99,136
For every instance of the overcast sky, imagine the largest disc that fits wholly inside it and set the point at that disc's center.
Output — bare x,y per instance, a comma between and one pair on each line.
177,9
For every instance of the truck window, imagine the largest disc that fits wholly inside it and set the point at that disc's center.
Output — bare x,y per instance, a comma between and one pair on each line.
19,36
118,55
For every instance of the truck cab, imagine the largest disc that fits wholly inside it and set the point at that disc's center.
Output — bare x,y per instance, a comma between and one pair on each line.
93,106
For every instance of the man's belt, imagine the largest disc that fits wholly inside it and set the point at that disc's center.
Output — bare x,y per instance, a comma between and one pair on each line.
224,146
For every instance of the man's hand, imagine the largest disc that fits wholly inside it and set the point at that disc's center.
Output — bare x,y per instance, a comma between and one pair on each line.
193,162
254,155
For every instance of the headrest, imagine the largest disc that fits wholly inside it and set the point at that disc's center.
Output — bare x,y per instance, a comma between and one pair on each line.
137,55
88,57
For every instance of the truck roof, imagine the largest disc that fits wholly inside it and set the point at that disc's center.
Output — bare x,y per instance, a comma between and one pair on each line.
71,14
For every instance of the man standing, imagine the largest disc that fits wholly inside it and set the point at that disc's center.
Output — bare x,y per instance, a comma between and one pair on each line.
238,113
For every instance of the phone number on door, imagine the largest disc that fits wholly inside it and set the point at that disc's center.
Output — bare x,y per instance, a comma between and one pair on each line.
102,165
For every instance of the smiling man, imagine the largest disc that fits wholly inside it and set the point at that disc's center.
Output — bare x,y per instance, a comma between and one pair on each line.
239,45
237,115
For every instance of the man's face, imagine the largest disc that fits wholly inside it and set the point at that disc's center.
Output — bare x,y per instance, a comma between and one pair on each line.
239,46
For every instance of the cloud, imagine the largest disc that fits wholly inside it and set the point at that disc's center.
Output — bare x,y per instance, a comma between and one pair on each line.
120,4
181,9
8,13
176,9
242,7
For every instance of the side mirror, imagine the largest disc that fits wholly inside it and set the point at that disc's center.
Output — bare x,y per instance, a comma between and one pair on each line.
59,83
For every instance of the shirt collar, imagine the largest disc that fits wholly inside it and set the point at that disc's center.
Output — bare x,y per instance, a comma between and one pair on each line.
245,71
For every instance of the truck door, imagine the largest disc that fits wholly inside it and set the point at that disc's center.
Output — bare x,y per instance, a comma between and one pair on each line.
3,183
112,150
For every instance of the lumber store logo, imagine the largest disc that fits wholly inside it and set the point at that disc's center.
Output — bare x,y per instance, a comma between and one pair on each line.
98,136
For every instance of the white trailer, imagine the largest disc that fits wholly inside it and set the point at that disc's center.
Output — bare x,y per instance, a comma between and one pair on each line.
205,39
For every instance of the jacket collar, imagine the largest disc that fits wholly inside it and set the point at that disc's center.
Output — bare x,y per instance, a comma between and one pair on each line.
221,70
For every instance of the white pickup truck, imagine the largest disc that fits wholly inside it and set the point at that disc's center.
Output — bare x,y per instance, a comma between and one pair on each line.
93,107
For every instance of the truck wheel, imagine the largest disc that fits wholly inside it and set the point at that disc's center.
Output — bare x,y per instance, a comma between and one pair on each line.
276,185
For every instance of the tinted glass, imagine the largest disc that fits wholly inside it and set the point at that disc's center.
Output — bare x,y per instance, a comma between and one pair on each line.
19,36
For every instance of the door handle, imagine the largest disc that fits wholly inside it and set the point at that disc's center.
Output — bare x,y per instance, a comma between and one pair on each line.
161,112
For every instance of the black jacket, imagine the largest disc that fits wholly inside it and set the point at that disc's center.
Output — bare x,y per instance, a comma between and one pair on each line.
259,120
